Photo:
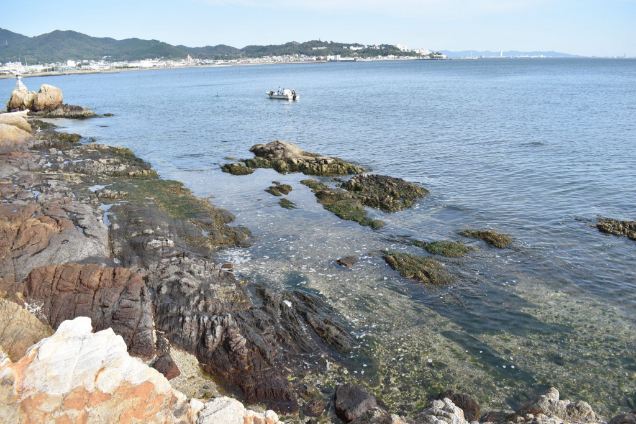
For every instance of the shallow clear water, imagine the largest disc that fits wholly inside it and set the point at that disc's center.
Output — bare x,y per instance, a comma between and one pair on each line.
530,148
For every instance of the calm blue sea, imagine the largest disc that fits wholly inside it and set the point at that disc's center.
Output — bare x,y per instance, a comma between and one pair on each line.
535,149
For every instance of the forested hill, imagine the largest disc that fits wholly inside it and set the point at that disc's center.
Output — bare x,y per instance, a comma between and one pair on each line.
58,46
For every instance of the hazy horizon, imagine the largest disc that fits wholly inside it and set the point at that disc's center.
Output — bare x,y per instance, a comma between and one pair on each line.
586,28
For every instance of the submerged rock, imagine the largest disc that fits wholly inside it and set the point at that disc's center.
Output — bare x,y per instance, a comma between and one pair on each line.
286,157
629,418
617,228
497,240
78,376
383,192
343,204
352,401
287,204
374,416
314,408
348,261
450,249
279,189
421,268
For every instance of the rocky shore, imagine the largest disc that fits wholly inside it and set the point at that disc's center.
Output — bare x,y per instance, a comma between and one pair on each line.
107,292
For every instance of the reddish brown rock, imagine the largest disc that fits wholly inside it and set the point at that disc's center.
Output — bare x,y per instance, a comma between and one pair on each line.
114,298
166,366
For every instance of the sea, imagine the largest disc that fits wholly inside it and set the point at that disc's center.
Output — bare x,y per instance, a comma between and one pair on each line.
536,149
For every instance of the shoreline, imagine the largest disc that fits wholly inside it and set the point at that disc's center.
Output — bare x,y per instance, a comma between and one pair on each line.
164,195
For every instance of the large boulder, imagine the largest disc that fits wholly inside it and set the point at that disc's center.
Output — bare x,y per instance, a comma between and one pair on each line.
48,98
16,119
21,100
12,136
551,406
77,376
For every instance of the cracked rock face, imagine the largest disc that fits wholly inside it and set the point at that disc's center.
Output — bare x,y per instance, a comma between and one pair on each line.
114,298
78,376
33,235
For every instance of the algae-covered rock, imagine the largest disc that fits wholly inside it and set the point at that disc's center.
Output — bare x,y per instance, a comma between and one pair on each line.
617,228
236,169
492,238
450,249
421,268
287,204
286,157
343,204
384,192
279,189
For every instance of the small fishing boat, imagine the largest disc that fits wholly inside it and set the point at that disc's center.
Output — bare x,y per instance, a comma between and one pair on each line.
284,94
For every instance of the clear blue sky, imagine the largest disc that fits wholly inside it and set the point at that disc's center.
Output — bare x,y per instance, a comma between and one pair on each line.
585,27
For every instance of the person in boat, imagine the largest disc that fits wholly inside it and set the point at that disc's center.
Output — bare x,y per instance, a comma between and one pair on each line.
280,91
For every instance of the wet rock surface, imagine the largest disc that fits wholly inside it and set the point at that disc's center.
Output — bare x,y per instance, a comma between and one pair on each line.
617,228
342,204
286,157
449,249
493,238
279,189
353,401
383,192
348,261
421,268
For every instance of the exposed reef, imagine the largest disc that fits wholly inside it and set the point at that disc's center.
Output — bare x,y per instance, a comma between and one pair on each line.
286,157
617,228
383,192
494,239
449,249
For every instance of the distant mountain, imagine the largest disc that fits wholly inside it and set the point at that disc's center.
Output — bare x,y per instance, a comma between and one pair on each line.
509,53
58,46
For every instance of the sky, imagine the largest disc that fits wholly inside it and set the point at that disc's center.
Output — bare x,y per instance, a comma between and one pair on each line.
583,27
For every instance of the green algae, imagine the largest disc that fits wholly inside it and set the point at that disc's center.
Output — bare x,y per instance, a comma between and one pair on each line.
493,238
279,189
383,192
449,249
421,268
287,204
236,169
342,204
